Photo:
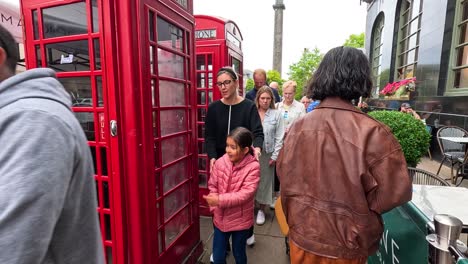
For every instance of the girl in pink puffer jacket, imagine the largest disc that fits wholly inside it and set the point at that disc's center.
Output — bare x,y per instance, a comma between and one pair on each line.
233,183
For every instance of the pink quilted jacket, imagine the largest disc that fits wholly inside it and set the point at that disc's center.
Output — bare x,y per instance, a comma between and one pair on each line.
236,186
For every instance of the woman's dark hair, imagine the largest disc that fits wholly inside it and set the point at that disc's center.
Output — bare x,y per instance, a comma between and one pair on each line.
229,71
344,72
243,137
8,43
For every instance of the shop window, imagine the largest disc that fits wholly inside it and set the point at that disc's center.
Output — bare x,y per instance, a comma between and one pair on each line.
458,76
408,38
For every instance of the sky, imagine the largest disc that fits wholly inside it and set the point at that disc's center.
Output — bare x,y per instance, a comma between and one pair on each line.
306,24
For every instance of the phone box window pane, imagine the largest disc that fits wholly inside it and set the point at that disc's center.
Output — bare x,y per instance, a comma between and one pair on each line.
106,192
94,7
79,89
170,64
171,94
201,80
151,25
174,175
173,148
99,90
202,180
38,56
87,123
177,225
35,24
97,54
68,56
176,200
169,35
173,121
65,20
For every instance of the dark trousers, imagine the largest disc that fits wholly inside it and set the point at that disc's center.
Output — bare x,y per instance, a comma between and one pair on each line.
250,231
276,183
220,239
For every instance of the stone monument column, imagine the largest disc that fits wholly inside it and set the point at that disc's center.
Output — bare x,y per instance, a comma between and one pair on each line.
278,36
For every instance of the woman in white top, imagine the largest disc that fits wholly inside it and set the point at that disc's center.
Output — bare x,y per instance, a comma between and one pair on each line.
290,109
273,131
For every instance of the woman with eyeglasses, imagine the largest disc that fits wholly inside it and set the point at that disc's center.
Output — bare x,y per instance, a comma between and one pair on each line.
226,114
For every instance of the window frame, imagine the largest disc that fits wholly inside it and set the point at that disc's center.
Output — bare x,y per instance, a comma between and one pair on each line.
450,89
403,48
376,67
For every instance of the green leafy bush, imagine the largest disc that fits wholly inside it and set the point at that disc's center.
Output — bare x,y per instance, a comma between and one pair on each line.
410,132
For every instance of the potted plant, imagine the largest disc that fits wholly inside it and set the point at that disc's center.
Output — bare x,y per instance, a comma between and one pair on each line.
399,89
410,132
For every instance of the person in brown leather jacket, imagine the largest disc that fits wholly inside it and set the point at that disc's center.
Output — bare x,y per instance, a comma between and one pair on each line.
339,168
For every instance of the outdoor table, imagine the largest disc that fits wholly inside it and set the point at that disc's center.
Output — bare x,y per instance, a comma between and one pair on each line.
406,227
432,200
462,140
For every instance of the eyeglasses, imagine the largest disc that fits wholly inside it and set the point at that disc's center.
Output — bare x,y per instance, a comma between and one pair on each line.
225,83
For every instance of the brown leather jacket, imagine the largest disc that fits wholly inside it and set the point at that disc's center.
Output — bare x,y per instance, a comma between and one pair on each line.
339,171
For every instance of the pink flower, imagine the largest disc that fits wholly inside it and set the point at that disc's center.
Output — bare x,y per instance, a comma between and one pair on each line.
391,88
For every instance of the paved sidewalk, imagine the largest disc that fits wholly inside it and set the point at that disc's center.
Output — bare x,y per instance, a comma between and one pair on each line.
270,247
433,166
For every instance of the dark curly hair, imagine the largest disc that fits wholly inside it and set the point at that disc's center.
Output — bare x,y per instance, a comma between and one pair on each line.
243,137
8,43
344,72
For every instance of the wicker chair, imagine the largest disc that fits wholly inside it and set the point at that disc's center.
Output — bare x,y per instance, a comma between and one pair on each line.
451,150
462,170
423,177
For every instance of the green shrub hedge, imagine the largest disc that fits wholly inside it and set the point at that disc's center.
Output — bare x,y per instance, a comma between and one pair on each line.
410,132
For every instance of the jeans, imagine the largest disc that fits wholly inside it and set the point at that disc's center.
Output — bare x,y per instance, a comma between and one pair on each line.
220,239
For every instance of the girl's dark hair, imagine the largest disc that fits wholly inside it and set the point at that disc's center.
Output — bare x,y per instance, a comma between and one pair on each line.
8,43
243,137
344,72
229,71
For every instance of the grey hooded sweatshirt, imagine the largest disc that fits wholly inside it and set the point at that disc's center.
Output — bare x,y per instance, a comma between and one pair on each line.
47,192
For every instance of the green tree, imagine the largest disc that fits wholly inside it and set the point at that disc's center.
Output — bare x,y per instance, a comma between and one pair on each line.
304,68
249,85
355,41
274,76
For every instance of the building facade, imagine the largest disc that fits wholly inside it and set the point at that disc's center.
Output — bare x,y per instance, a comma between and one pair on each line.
425,40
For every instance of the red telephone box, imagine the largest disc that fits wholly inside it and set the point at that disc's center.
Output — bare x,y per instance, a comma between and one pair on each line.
128,66
218,43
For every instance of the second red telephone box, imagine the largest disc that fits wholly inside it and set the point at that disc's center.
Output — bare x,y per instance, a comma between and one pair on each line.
218,43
